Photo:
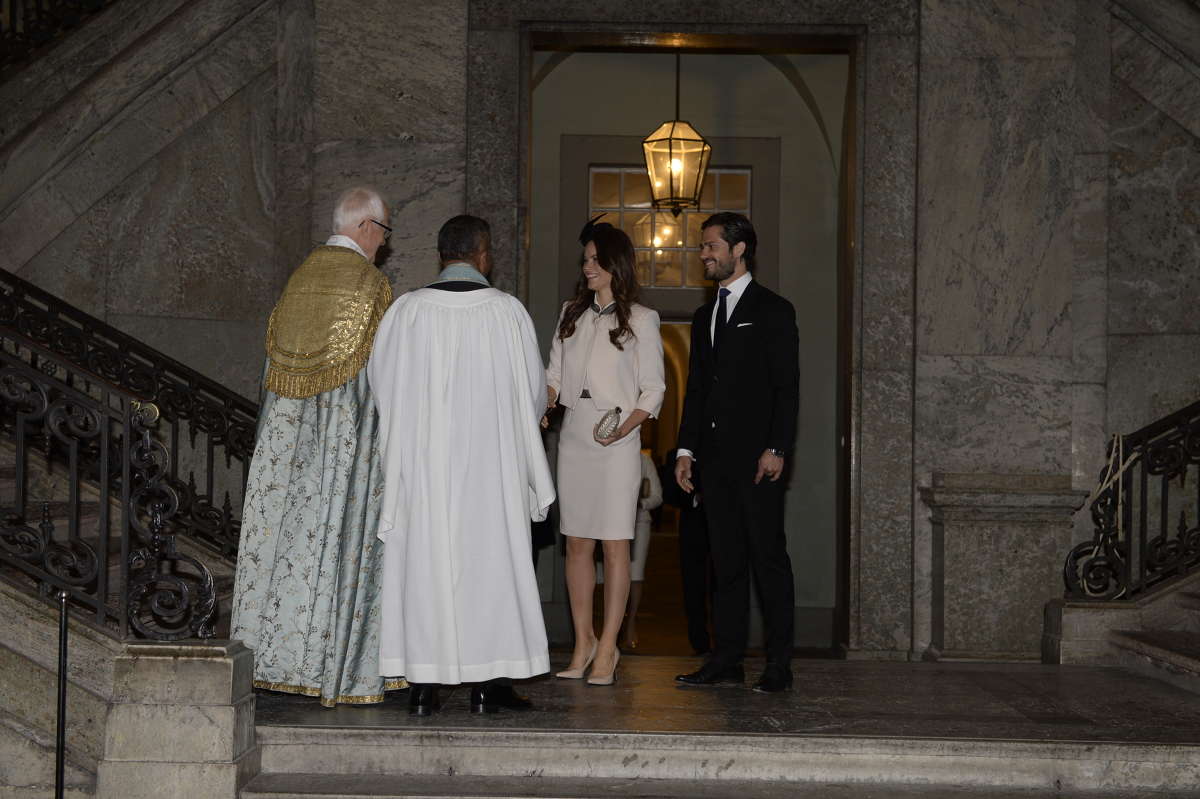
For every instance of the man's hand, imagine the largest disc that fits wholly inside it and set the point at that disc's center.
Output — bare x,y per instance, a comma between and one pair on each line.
683,473
769,465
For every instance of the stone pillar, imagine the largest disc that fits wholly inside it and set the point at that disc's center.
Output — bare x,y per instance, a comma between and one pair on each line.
182,723
999,542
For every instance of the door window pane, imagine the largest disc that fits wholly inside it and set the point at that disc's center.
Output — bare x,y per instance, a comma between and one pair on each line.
667,247
606,190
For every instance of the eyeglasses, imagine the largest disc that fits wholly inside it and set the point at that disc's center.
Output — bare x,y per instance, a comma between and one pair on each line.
387,230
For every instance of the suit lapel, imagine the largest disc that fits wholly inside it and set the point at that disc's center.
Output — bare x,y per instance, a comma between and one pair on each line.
745,304
743,310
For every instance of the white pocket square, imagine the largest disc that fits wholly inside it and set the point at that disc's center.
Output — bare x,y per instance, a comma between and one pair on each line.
744,324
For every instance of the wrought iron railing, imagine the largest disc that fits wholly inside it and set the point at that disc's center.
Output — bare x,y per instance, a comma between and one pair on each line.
27,26
1146,513
208,429
84,439
111,455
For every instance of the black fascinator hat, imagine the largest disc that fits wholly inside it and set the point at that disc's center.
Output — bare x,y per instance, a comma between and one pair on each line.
592,227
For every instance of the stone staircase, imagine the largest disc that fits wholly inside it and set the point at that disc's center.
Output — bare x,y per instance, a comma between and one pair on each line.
308,763
29,638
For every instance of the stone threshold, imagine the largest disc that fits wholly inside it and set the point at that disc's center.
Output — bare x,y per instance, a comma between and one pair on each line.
732,758
338,786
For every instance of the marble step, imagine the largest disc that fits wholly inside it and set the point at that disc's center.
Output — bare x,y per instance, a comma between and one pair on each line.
337,786
1169,655
728,759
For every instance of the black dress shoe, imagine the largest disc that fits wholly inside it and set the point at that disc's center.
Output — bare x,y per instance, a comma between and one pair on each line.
710,674
490,698
774,678
422,699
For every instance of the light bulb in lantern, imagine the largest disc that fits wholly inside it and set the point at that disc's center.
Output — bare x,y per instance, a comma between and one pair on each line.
676,165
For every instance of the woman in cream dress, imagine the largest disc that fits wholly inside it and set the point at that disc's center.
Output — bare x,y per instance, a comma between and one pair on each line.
607,353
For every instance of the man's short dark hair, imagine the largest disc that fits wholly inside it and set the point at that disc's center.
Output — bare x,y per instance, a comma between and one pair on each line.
735,228
462,237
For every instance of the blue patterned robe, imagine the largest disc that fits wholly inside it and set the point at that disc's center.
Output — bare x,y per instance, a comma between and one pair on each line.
306,598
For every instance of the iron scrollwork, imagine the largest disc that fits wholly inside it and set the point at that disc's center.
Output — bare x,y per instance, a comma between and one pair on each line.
1149,477
190,404
171,595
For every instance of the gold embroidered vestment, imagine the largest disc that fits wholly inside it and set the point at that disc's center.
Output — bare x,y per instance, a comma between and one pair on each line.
322,328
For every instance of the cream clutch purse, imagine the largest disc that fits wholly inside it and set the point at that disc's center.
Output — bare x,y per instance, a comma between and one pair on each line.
608,424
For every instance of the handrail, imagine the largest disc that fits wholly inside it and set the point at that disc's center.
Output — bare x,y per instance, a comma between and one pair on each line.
27,26
210,428
122,575
1147,493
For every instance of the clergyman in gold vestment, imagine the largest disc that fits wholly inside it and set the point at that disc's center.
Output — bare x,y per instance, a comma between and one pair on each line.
306,597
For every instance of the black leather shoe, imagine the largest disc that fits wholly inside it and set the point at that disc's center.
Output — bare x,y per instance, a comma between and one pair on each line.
422,699
710,674
774,678
490,698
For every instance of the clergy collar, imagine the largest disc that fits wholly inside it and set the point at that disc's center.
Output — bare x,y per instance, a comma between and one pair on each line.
461,270
338,240
606,310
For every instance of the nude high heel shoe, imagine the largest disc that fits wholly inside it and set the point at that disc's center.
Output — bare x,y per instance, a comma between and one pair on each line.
609,678
577,674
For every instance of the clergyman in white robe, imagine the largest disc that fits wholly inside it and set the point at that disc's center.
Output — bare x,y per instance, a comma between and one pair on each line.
460,387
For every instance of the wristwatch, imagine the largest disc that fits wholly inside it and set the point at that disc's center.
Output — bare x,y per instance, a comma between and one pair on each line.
778,453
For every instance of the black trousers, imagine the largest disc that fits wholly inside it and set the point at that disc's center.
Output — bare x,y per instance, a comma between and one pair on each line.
745,532
694,569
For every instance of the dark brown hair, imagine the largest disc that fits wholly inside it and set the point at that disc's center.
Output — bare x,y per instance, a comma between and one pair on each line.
614,252
735,228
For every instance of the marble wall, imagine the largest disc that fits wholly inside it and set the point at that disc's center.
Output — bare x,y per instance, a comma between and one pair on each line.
1154,220
389,97
144,192
1010,366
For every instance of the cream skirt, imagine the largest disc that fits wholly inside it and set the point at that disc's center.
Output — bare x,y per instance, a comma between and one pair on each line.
597,486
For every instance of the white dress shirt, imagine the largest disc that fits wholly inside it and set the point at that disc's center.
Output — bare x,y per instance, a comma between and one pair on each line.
736,289
338,240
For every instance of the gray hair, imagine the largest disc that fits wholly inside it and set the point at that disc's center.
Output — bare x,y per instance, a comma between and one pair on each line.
356,204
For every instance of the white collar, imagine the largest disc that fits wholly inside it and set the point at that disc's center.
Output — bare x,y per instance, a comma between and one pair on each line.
738,287
338,240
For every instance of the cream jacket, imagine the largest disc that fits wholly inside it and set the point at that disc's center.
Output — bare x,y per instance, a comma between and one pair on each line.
628,379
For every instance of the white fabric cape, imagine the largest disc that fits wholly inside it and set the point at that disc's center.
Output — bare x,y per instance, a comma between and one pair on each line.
460,387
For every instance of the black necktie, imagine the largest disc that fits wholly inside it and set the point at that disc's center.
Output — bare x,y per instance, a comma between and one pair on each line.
721,318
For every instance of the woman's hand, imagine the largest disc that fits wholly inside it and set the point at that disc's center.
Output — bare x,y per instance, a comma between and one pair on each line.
631,423
614,438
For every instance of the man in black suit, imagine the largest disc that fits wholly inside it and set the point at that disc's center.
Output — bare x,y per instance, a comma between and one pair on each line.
695,565
739,423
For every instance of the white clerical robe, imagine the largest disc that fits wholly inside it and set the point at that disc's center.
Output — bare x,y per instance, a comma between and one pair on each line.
460,387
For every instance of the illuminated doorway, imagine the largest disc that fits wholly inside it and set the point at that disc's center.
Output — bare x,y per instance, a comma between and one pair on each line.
781,130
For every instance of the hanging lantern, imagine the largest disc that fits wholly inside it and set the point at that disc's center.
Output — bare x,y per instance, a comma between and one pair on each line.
677,159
